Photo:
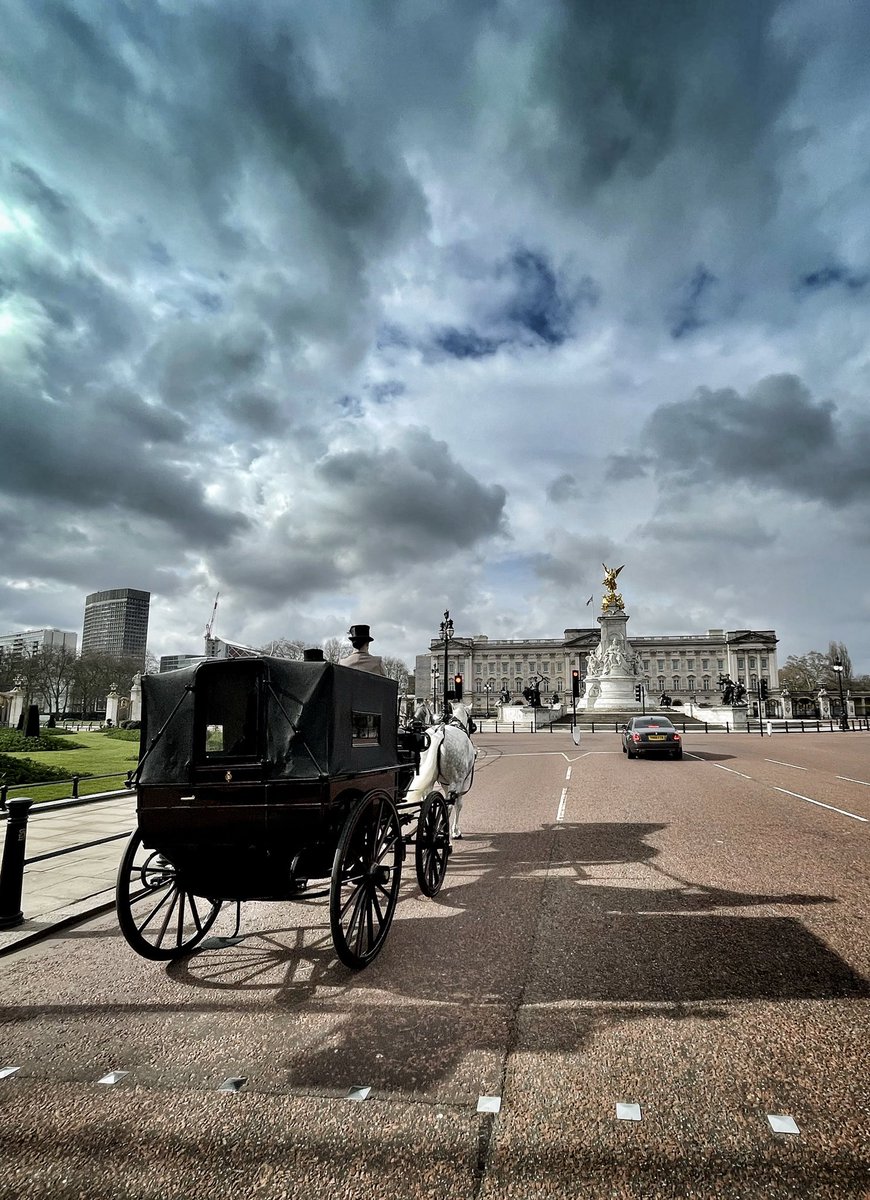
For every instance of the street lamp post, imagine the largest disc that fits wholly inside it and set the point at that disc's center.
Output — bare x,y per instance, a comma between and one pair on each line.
446,634
488,687
434,685
844,719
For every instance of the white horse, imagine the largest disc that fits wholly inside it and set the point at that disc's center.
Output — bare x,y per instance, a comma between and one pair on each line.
447,765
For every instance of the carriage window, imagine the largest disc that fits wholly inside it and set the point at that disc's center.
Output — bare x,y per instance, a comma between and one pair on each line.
227,707
365,728
214,739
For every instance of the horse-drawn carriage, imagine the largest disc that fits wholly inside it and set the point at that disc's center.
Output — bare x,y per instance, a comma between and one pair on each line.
259,775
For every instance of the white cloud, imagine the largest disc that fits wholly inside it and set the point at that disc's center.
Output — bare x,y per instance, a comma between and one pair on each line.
355,313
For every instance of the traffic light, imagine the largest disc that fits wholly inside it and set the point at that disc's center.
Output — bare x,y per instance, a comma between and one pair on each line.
637,691
457,686
575,684
762,687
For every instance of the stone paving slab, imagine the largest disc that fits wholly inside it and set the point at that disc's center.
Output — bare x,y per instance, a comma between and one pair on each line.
71,886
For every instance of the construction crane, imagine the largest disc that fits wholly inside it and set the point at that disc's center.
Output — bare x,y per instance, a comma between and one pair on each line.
210,624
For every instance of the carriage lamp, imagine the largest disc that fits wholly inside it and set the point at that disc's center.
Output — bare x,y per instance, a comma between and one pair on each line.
844,719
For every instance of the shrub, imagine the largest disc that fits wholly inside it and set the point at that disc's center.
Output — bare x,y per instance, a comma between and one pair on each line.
25,770
13,741
122,735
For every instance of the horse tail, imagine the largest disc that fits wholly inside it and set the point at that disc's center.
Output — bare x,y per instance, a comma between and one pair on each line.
428,771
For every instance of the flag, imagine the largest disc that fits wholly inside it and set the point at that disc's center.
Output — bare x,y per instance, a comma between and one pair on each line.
589,601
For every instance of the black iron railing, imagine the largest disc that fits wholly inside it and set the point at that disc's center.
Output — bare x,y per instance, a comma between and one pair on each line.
18,810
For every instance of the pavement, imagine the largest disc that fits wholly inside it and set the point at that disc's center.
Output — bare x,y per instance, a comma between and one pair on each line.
690,938
72,886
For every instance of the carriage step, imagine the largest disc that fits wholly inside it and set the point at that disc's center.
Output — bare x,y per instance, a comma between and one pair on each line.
218,943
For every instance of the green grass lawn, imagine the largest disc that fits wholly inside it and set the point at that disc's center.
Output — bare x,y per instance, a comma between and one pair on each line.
100,755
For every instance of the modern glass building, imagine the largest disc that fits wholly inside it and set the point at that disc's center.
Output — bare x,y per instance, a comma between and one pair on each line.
116,622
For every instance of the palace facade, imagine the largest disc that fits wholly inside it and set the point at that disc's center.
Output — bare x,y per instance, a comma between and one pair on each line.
683,665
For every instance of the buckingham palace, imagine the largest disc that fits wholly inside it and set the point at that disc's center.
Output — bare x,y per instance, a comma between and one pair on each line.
687,666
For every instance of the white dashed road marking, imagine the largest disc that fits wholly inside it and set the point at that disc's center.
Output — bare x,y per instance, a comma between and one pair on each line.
731,771
809,800
846,779
779,763
560,811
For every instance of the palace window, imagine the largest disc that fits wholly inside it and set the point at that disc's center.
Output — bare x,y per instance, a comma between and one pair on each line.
705,664
690,665
661,664
720,664
690,683
661,682
675,664
752,664
676,683
706,683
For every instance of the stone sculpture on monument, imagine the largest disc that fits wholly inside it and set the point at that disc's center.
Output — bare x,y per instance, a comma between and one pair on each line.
613,669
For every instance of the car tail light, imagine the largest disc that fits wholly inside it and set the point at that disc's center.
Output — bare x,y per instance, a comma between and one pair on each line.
676,737
635,737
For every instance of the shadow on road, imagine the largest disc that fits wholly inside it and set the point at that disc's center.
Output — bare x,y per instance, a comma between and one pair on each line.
539,939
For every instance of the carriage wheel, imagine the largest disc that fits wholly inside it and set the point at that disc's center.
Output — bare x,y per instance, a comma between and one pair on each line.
366,873
433,844
158,918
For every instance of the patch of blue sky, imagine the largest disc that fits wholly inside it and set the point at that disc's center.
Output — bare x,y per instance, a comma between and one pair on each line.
465,343
688,314
386,390
831,275
540,305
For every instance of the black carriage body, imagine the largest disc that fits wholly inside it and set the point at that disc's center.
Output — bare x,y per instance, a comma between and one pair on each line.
254,765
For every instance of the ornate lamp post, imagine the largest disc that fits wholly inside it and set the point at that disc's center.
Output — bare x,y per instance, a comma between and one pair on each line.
435,674
446,635
844,719
488,687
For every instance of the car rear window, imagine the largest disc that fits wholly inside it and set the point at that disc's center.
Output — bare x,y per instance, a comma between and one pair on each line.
654,723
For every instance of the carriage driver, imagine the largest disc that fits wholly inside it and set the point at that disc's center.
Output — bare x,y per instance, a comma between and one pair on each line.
361,638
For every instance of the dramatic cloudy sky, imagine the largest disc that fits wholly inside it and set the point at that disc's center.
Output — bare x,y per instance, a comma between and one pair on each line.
354,311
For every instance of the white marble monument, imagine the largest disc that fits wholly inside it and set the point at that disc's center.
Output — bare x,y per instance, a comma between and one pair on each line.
613,670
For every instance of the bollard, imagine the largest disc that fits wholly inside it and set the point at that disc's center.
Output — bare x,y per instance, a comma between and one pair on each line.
4,789
75,787
12,867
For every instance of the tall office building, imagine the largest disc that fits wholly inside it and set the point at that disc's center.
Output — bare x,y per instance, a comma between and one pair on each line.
116,622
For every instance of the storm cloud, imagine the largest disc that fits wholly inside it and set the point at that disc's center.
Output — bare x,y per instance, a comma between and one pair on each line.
358,312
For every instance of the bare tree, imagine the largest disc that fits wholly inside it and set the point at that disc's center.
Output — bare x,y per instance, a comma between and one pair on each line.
334,649
291,648
95,673
805,672
837,650
55,672
397,670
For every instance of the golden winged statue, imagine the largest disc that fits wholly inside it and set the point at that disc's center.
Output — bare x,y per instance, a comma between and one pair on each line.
612,598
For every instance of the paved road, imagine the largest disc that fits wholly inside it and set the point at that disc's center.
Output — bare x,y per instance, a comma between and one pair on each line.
690,937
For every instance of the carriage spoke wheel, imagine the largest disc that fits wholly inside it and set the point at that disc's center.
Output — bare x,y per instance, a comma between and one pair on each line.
432,844
366,873
157,917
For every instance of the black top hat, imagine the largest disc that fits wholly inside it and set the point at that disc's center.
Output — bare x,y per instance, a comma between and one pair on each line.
360,633
314,654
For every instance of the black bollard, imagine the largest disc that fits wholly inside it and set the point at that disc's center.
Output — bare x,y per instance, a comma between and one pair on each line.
12,867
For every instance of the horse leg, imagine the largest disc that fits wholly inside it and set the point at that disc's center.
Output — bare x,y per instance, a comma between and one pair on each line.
455,831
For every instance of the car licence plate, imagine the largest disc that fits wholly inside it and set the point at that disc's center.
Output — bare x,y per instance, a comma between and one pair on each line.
656,737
